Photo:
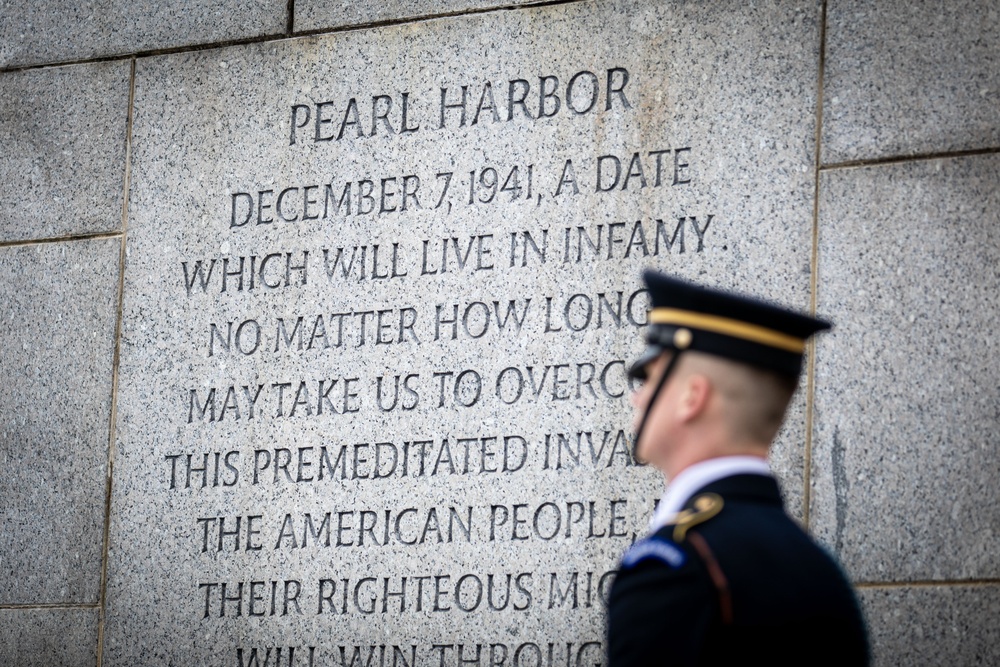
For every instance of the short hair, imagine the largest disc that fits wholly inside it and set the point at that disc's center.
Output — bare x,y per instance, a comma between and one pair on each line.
757,398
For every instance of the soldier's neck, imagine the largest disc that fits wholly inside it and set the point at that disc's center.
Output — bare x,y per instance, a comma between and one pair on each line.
697,451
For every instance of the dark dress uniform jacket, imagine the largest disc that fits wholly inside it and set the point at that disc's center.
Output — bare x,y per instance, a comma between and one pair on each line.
761,593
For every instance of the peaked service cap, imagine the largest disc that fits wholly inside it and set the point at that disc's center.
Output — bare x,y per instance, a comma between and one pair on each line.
685,316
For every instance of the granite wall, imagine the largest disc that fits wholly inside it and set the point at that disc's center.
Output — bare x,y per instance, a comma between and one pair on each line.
314,315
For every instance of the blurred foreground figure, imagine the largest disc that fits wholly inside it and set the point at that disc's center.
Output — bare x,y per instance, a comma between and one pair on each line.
724,577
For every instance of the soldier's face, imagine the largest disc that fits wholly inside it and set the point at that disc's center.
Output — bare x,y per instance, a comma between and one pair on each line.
655,434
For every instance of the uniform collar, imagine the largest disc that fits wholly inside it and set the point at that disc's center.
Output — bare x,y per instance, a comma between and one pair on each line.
693,478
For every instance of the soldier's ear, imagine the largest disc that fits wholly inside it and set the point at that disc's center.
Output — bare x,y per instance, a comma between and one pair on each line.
694,398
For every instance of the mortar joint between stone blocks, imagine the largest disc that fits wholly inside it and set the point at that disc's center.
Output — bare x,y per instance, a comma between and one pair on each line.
386,23
188,48
916,157
27,606
126,184
930,583
97,236
814,270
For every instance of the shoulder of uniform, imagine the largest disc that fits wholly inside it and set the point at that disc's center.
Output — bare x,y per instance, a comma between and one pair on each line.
655,547
666,544
703,507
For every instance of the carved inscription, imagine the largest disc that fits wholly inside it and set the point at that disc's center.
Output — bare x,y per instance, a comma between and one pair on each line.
355,118
406,375
483,186
485,653
386,460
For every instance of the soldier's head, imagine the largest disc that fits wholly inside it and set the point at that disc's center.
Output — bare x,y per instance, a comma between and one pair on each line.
718,373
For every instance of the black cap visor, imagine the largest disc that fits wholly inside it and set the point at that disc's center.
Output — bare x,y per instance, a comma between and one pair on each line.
637,371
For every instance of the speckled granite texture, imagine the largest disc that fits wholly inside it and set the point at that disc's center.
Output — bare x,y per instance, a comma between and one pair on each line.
904,453
57,326
61,30
62,135
320,15
720,96
906,78
937,626
48,637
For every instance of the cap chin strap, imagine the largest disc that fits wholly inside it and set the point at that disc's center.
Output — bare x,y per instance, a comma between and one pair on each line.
661,383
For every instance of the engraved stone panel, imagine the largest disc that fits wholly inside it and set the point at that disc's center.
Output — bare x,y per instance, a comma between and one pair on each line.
48,637
56,31
906,403
904,78
319,15
933,625
62,135
380,291
57,324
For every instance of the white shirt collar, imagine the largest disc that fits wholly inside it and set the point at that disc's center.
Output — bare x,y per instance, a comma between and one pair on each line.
697,476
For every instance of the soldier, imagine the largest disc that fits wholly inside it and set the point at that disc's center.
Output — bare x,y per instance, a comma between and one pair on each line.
725,577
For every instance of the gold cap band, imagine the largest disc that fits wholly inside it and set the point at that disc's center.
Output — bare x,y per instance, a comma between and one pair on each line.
727,327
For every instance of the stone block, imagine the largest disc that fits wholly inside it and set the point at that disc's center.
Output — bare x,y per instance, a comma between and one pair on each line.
57,327
933,625
53,32
63,171
48,637
317,15
906,391
910,78
787,458
456,411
